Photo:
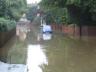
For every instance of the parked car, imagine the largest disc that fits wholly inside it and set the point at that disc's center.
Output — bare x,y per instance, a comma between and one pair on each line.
46,29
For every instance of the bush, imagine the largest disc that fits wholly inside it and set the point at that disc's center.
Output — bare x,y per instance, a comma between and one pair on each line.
6,25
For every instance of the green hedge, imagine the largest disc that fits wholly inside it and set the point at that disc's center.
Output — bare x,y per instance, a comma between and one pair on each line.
6,25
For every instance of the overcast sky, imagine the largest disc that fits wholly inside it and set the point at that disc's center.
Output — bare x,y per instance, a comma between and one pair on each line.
33,1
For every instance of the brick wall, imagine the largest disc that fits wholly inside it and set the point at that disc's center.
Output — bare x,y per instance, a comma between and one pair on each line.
92,31
75,30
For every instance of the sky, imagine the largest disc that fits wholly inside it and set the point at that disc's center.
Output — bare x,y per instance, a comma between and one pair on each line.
33,1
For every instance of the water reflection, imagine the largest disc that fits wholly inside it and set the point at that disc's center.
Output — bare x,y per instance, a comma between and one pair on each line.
47,36
44,36
21,30
36,58
21,35
5,50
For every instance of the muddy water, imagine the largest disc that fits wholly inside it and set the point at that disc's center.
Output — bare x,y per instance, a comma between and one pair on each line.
70,55
15,50
59,53
66,54
4,50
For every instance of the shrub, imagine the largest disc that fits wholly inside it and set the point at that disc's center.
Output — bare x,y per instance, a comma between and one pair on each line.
6,25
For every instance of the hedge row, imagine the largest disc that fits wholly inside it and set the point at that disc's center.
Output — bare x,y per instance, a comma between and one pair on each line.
6,25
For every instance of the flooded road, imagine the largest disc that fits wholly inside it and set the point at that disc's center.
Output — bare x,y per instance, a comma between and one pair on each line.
69,55
56,53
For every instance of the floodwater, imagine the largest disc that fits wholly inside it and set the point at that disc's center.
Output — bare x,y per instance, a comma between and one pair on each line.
56,53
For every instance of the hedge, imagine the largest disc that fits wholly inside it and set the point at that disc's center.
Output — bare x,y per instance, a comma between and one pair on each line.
6,25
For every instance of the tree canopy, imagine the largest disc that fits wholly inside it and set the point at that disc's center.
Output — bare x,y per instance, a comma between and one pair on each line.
79,11
12,9
10,12
32,13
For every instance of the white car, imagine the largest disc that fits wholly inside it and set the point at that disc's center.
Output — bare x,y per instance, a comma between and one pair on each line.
46,29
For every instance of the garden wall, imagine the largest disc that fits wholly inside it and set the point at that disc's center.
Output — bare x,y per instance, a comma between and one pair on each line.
89,30
73,30
56,27
5,36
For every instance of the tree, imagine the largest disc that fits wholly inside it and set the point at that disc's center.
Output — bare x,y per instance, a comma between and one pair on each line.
79,11
12,9
10,12
32,13
2,7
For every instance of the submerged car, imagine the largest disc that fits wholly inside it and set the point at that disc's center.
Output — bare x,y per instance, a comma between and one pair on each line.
46,32
46,29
